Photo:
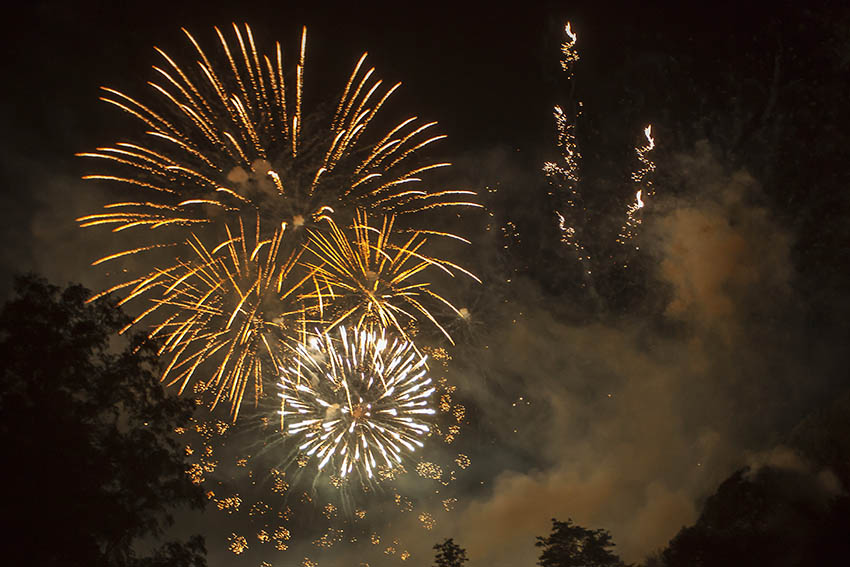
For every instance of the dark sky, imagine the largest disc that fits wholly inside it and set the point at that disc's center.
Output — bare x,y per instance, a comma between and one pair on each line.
488,75
734,329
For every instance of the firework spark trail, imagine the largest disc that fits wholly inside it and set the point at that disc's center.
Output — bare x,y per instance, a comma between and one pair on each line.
370,280
564,177
227,145
356,401
645,188
230,138
569,53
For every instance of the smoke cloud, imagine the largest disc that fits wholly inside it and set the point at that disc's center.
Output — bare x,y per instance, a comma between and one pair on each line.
631,424
624,425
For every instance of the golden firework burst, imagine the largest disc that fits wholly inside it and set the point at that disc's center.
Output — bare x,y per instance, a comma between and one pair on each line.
362,275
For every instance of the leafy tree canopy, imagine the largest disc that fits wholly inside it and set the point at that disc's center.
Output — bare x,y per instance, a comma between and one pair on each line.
570,545
771,517
449,554
91,466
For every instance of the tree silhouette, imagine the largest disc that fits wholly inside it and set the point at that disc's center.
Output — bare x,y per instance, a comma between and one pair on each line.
449,554
770,516
91,468
570,545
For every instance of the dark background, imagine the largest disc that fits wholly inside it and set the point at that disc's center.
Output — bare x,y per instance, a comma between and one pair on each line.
730,329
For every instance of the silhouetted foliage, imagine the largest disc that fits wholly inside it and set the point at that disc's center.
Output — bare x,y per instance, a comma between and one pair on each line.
570,545
91,466
823,438
654,559
771,517
449,554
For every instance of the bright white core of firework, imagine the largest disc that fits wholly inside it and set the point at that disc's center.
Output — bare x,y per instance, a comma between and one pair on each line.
356,401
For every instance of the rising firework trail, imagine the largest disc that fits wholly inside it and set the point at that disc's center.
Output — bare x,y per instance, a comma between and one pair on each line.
564,175
645,189
571,213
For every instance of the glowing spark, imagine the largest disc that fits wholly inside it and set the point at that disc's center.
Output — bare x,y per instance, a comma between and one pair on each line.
373,281
356,400
227,144
646,189
229,311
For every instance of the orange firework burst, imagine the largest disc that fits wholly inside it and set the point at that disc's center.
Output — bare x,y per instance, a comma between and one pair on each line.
363,276
227,145
231,307
231,139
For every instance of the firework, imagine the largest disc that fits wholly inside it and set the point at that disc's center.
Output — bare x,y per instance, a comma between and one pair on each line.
257,232
232,137
230,308
228,145
645,191
369,279
278,493
564,175
356,401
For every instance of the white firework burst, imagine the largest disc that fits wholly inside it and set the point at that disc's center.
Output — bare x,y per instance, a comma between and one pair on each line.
357,401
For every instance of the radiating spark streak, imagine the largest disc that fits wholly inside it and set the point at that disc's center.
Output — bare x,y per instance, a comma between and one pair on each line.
356,390
372,279
126,180
225,145
130,252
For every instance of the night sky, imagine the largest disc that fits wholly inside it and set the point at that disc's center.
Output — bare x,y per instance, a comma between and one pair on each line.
624,413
